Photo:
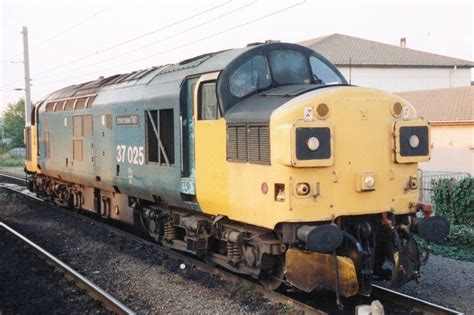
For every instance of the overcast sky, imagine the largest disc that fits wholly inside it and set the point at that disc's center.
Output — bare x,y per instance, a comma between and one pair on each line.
75,41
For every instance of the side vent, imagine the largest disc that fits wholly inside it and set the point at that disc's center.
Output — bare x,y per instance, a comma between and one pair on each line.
259,144
237,143
248,144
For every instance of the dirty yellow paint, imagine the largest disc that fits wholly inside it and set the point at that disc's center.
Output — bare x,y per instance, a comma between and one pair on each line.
210,159
363,138
310,271
32,165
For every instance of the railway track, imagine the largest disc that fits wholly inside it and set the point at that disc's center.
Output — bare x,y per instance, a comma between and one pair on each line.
393,302
107,301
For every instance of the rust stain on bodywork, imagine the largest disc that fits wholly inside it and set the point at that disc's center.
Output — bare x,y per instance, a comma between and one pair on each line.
309,271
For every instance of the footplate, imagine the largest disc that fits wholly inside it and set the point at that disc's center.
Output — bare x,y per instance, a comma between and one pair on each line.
310,271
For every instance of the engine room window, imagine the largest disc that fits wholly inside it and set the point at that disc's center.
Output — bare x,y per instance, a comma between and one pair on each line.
152,139
160,136
253,75
290,67
167,135
322,73
208,102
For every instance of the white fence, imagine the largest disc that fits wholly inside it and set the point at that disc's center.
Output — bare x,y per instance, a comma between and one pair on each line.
18,152
428,178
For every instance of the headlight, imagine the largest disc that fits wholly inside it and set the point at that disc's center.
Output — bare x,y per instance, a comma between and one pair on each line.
313,143
414,141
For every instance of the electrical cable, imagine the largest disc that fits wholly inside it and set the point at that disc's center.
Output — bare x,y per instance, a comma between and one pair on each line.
184,45
127,41
135,38
155,42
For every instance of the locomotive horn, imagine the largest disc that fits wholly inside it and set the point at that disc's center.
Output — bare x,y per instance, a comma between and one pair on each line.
323,238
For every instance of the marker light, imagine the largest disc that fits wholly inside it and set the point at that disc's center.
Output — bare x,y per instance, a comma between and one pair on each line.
369,182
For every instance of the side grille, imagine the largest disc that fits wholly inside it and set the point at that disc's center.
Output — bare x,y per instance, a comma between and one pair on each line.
250,144
237,143
259,144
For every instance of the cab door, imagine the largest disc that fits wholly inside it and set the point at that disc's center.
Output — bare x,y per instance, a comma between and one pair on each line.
188,172
210,148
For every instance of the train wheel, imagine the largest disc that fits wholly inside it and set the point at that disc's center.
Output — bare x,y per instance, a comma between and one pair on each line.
271,277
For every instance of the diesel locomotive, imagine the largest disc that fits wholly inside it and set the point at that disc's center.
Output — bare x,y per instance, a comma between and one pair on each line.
262,160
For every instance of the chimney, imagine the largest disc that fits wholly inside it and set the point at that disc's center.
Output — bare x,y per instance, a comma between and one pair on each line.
403,42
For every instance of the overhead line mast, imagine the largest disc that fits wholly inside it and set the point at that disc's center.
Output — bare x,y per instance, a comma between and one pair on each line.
26,62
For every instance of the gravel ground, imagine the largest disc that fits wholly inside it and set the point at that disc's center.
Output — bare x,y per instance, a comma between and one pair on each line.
141,277
29,285
13,171
446,282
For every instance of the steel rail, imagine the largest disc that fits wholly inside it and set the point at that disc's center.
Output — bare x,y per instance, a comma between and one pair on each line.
416,303
378,292
107,300
13,177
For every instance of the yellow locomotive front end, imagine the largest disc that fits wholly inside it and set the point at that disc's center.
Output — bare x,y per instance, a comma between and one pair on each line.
347,158
329,170
347,151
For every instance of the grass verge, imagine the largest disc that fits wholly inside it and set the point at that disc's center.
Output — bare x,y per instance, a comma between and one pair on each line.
7,160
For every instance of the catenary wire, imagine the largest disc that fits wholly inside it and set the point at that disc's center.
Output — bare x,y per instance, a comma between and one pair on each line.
136,38
41,43
93,15
184,45
156,42
125,42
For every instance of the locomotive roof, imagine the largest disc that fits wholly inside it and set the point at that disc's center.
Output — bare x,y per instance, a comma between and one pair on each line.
208,62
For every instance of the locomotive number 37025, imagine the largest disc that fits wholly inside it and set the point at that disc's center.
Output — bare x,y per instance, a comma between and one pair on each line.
131,154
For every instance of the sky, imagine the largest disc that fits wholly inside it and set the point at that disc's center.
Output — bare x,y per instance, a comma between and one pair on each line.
75,41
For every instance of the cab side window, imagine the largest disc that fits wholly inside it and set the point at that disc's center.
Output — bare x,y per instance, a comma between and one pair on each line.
208,105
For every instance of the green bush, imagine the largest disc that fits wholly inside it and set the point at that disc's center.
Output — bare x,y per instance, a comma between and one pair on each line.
454,200
3,148
7,160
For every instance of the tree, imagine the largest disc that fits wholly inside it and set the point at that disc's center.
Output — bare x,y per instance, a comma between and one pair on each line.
14,122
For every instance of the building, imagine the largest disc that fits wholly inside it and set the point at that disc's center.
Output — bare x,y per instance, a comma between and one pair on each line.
391,68
450,113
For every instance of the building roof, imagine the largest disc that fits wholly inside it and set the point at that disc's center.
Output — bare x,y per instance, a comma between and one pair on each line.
343,50
454,105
